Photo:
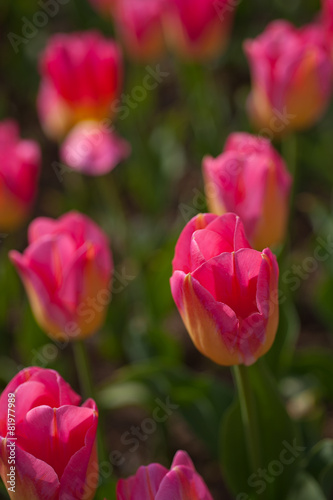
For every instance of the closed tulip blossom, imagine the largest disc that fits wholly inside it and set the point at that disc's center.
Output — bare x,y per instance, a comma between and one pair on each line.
225,291
81,78
199,29
291,76
67,271
155,482
250,179
140,25
19,171
50,452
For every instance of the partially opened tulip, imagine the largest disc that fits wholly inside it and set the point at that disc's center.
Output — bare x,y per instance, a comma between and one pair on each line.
49,451
81,78
225,291
67,271
19,172
250,179
292,76
155,482
140,25
199,29
92,149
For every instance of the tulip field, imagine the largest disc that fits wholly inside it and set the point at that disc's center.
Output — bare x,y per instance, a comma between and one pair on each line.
166,250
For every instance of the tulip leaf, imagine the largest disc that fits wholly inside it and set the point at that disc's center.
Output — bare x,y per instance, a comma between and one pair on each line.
306,487
280,448
320,465
318,363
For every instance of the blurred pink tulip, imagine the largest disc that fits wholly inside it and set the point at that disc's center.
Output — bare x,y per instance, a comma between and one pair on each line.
250,179
67,270
225,291
200,29
81,78
140,24
53,443
92,149
155,482
19,172
292,76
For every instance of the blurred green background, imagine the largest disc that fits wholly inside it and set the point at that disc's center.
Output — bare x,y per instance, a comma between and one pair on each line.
143,352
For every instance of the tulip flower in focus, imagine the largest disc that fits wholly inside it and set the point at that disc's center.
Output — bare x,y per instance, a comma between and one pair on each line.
225,291
140,24
156,482
19,172
250,179
199,29
81,78
291,76
67,271
55,439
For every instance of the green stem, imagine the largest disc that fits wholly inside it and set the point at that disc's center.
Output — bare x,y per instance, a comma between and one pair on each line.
83,369
87,387
249,417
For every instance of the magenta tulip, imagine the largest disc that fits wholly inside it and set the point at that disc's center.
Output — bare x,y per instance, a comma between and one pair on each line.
250,179
292,76
19,172
67,270
199,29
140,25
48,448
81,78
225,291
155,482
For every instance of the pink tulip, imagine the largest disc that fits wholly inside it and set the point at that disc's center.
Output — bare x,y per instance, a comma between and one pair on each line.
292,76
225,291
66,270
140,24
92,149
155,482
81,78
52,440
199,29
19,172
250,179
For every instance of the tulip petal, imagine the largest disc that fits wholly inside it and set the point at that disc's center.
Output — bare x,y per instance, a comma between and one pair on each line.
35,479
144,485
183,483
212,325
182,253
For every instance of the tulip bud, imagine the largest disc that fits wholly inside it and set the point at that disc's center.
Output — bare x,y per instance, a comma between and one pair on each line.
67,270
155,482
250,179
291,77
140,26
48,448
199,29
104,6
81,78
19,172
92,149
225,291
